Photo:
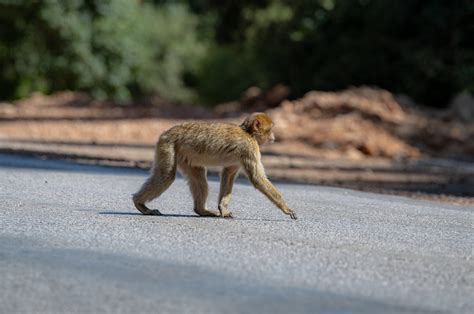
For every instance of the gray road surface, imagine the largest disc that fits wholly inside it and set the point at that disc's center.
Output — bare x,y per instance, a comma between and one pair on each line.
70,241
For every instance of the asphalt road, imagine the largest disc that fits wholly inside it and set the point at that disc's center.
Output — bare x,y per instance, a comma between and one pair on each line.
70,241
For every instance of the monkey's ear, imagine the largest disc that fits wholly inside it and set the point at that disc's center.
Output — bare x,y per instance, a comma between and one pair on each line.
255,125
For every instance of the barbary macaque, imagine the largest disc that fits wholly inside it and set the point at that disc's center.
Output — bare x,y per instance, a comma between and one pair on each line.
190,147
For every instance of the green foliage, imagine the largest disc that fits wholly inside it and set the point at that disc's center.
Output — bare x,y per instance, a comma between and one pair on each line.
420,48
412,47
178,53
112,48
182,49
224,74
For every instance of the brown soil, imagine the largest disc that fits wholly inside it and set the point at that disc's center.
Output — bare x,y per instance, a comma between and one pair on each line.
361,138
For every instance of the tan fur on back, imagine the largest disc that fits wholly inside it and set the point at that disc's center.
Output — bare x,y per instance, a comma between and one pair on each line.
197,144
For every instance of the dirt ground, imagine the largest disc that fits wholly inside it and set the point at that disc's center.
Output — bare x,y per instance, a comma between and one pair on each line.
361,138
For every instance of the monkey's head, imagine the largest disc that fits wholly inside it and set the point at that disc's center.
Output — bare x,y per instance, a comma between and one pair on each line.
259,125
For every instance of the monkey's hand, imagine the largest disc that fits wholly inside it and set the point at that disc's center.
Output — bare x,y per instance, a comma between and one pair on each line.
292,214
226,214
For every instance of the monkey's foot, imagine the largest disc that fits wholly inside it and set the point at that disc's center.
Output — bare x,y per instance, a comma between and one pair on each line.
154,212
207,213
146,211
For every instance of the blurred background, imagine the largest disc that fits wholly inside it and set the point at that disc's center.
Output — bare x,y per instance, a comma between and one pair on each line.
371,94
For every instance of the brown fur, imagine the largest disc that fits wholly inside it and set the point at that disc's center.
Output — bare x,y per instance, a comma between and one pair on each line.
191,147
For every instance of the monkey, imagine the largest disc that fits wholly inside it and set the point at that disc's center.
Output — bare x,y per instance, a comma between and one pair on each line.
191,146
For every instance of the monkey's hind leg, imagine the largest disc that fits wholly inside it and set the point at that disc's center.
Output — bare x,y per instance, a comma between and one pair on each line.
163,174
197,181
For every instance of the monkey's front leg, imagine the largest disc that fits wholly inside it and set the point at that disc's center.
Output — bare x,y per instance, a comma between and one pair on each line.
256,175
228,175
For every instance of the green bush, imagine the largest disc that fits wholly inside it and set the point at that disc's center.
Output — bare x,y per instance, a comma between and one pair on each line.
124,49
420,48
111,48
224,73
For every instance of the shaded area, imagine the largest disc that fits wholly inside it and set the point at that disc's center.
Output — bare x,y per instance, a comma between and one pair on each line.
87,281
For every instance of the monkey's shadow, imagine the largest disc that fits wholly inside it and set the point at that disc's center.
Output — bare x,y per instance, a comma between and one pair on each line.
162,215
183,216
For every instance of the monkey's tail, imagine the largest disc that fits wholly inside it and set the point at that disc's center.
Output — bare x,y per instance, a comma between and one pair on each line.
164,161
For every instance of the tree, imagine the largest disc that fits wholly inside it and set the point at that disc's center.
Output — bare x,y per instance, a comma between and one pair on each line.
111,48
